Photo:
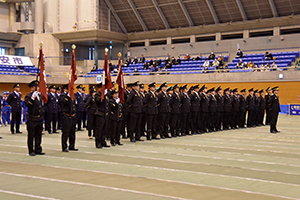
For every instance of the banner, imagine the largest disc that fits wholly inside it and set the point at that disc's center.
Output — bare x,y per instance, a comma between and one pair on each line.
15,60
42,75
73,74
294,109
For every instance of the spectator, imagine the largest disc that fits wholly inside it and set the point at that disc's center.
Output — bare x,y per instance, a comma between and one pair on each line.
245,65
135,60
239,54
297,65
158,62
262,68
168,65
115,70
199,57
221,61
152,70
173,61
273,66
111,66
220,56
216,64
250,65
268,56
226,68
146,66
211,56
167,59
151,62
187,57
206,63
135,72
142,59
239,65
128,61
178,61
94,68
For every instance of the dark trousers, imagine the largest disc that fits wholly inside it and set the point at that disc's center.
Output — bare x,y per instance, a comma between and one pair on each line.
267,116
242,119
34,129
226,120
151,126
234,119
162,121
174,125
52,117
126,125
194,122
16,116
143,124
84,119
168,122
59,120
115,131
135,128
46,124
79,115
204,120
184,123
91,124
100,131
273,121
68,131
261,115
219,119
212,121
250,119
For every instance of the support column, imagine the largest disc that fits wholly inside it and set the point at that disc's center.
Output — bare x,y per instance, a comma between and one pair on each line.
246,34
193,39
12,14
147,43
218,36
38,16
96,53
276,31
22,12
169,40
29,11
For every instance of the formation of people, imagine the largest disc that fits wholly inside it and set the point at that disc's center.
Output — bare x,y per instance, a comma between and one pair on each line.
157,113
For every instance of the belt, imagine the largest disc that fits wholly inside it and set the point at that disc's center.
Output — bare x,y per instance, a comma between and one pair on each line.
70,115
35,116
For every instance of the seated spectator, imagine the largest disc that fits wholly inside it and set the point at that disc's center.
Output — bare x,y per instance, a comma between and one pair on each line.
187,57
199,57
167,59
216,64
239,54
158,62
152,70
94,68
268,56
211,56
146,66
151,62
250,65
127,62
168,65
245,65
142,59
221,56
173,61
297,65
178,61
262,68
240,64
206,63
221,61
273,66
135,72
135,60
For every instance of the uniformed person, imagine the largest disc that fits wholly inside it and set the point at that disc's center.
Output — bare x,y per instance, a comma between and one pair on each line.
126,112
150,101
185,109
256,108
261,108
34,102
59,104
195,110
135,102
242,113
220,109
274,106
14,100
79,102
250,102
175,111
90,104
168,120
204,103
144,115
69,121
52,109
235,104
269,93
84,114
227,109
212,126
163,110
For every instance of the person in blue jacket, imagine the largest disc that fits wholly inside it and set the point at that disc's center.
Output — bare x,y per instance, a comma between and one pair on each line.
6,110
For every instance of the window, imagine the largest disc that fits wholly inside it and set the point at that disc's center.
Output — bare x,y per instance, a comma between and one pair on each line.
91,53
158,42
137,44
181,40
2,51
290,31
206,38
261,34
232,36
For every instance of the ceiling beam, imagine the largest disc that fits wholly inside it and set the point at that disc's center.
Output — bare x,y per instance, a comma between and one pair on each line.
115,16
212,11
273,8
162,16
241,8
185,12
137,14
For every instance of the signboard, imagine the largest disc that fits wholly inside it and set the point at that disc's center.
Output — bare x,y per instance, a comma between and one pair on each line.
294,109
99,78
15,60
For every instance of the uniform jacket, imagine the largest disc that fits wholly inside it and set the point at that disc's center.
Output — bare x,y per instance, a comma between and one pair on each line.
90,104
143,97
227,103
115,110
15,102
262,103
150,101
185,103
242,102
68,105
204,103
163,103
35,108
220,103
257,103
52,103
195,102
267,97
175,104
79,98
102,106
126,108
235,103
250,102
274,103
212,104
135,102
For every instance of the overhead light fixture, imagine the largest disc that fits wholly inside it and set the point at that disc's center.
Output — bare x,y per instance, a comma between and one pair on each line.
270,38
145,49
191,45
244,41
172,47
281,38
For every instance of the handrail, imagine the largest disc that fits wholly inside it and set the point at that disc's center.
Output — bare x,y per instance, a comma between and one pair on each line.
271,49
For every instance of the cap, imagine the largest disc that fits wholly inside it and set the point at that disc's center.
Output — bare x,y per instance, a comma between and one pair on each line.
58,88
169,89
158,89
52,87
113,92
275,88
135,83
66,86
261,91
99,85
196,87
203,87
255,91
180,88
251,90
141,85
243,90
151,85
218,89
79,86
227,89
17,85
268,89
129,85
235,90
83,89
191,88
33,83
184,87
212,89
175,86
163,85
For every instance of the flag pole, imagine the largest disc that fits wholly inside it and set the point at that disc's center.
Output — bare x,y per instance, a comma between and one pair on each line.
39,63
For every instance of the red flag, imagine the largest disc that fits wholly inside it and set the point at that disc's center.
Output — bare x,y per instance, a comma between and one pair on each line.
106,79
72,76
42,75
120,82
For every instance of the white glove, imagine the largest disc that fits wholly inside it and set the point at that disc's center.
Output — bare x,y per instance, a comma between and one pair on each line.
117,100
34,95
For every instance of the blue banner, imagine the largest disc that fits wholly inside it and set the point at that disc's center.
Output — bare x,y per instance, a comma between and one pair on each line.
294,109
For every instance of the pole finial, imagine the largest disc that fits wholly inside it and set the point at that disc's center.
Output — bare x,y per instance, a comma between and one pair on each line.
73,46
119,54
106,50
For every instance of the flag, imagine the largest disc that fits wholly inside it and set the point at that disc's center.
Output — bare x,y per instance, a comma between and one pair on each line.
72,75
106,79
120,82
43,89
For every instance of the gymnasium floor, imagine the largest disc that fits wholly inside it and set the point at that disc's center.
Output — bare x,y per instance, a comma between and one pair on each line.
231,165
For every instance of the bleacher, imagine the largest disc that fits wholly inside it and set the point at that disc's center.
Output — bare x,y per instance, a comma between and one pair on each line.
32,70
11,70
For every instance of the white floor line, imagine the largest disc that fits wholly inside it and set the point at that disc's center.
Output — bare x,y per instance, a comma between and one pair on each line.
26,195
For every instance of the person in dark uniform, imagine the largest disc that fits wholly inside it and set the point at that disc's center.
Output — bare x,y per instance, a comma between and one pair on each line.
79,102
235,105
84,114
52,107
195,110
204,103
69,121
185,109
220,109
144,115
227,109
175,111
242,112
46,111
135,102
102,116
126,113
250,102
256,108
59,104
267,97
212,126
168,120
150,101
14,100
261,108
163,110
1,103
34,102
274,109
115,117
90,104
